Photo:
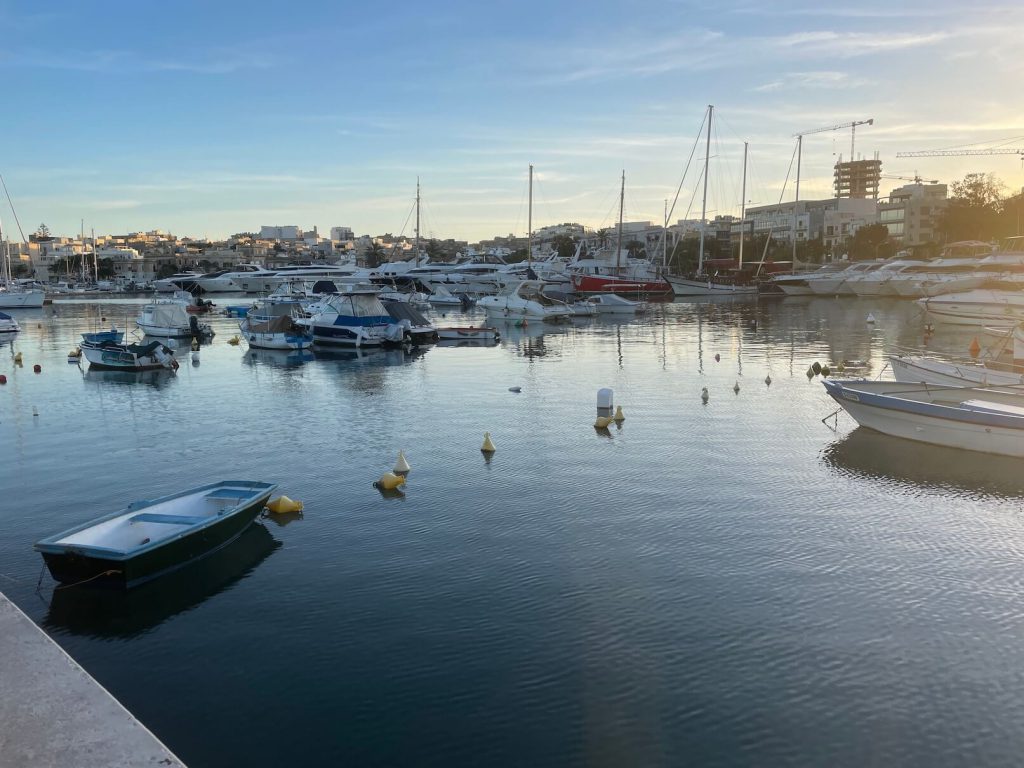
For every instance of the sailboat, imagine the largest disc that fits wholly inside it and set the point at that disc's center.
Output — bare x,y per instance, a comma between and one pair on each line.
702,283
610,275
12,295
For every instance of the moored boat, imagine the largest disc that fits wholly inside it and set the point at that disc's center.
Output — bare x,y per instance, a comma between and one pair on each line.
929,370
112,356
272,325
469,333
613,304
8,325
150,538
169,318
971,418
525,302
98,337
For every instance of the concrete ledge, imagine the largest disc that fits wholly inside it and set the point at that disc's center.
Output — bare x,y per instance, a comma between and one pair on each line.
54,714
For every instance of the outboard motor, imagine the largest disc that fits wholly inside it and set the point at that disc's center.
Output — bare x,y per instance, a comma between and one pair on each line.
193,327
465,301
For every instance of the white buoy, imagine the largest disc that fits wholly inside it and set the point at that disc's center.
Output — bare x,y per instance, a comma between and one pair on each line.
195,356
488,446
704,394
871,318
401,465
605,402
35,411
768,380
619,415
736,387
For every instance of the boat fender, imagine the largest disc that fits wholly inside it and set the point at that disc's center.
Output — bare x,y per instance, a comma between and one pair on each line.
515,389
768,379
816,367
389,481
718,357
736,387
825,370
282,504
704,394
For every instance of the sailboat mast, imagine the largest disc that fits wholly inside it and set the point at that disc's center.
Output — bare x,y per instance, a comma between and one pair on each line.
95,261
5,267
622,202
529,225
82,264
704,204
664,241
417,255
743,205
796,199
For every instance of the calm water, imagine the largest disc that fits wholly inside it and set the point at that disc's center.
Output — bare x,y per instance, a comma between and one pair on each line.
723,584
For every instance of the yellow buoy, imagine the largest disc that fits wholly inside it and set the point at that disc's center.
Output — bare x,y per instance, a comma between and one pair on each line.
488,446
233,341
389,481
17,358
283,504
602,422
195,345
401,465
619,415
75,352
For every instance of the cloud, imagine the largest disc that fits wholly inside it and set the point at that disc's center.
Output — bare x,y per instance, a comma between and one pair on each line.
220,62
805,80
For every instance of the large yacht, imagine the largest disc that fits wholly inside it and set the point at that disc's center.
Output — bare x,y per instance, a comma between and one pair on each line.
229,280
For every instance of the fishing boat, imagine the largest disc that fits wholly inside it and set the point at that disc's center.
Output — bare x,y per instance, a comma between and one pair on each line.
469,333
613,304
168,318
929,370
110,355
272,325
525,301
971,418
150,538
8,325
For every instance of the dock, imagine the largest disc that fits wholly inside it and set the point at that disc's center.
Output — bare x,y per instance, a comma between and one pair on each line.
54,714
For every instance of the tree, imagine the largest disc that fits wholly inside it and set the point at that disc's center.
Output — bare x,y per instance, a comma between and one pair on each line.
602,237
636,249
374,255
871,242
105,267
565,245
434,250
974,210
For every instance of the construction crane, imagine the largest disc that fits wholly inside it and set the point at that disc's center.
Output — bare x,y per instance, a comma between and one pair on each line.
961,152
915,178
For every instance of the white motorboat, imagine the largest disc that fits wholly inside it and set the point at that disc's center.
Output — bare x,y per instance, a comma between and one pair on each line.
168,318
877,282
835,284
112,356
613,304
798,283
272,280
981,307
271,324
230,280
581,308
353,318
175,281
442,297
930,370
970,418
469,333
525,302
8,325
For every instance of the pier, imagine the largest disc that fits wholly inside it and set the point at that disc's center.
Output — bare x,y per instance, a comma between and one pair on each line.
53,713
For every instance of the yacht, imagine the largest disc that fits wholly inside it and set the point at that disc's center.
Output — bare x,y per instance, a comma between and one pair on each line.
981,307
798,283
174,282
836,284
229,280
525,302
271,280
169,318
352,318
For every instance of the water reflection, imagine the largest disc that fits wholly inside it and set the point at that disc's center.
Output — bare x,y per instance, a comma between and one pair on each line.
873,456
278,358
158,379
100,612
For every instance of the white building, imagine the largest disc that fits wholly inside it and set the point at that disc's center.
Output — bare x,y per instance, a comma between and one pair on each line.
912,212
342,234
290,232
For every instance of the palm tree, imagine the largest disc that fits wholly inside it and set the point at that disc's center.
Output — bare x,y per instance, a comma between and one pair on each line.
374,255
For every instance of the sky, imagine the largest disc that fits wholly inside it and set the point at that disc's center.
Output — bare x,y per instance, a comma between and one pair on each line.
207,118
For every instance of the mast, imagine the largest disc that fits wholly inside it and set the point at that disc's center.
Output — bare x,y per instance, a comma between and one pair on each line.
5,266
95,262
799,154
622,201
704,204
82,263
529,225
743,205
664,241
417,256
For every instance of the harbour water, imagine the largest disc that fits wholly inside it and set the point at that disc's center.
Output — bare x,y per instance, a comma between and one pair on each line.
729,583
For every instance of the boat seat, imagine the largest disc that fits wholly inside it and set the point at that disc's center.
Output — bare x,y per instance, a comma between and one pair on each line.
156,517
986,406
228,493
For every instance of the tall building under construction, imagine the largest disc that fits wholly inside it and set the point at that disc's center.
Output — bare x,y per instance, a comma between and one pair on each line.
858,178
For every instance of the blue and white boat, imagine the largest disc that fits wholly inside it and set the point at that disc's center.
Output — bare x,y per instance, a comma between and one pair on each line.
989,420
352,318
98,337
111,356
150,538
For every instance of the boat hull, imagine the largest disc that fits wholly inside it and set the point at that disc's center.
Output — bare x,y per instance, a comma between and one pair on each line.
614,284
682,286
924,370
18,299
73,567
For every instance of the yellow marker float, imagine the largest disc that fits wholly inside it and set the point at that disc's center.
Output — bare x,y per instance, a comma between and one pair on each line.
389,481
283,504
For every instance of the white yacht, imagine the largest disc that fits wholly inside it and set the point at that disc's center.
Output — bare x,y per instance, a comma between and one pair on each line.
525,302
272,279
229,280
798,283
980,307
836,284
175,281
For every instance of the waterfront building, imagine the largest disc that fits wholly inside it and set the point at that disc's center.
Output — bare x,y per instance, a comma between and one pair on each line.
911,213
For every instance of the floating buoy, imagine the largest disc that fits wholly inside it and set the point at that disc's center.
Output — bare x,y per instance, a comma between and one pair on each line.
17,358
195,345
975,348
389,481
753,325
3,379
234,340
825,370
810,372
35,411
717,357
283,504
515,389
619,415
870,318
37,368
401,465
602,422
195,356
840,366
736,387
704,394
488,446
816,367
768,380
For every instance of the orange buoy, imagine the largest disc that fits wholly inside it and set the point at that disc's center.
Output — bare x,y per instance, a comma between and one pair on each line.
975,348
37,368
